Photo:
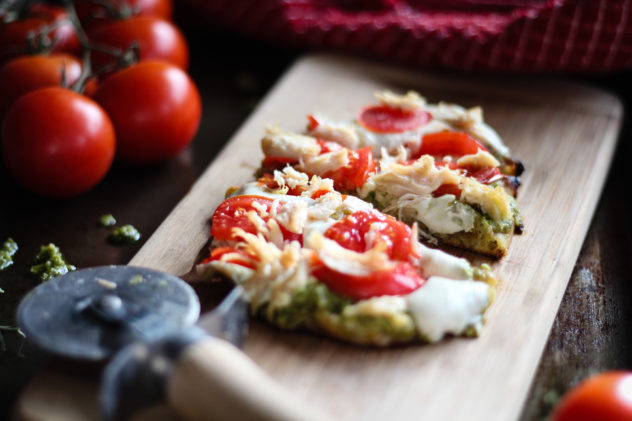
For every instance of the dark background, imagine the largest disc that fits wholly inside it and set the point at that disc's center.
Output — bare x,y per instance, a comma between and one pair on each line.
592,330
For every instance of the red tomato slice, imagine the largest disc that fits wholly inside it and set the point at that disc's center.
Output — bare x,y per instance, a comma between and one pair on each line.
271,163
449,143
351,233
447,189
244,259
233,213
355,173
486,175
403,279
384,119
312,122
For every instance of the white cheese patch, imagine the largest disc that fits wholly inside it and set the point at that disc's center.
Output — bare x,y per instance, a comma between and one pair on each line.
434,262
288,145
442,215
445,306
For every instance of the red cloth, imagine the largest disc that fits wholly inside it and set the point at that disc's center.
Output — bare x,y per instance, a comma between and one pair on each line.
571,36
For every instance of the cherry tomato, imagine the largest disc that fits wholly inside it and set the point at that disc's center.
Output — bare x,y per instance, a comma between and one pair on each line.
91,13
403,279
351,233
449,143
233,213
13,35
155,108
604,397
384,119
157,39
243,259
27,73
355,173
57,143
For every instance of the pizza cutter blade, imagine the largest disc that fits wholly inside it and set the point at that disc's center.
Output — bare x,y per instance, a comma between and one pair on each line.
91,312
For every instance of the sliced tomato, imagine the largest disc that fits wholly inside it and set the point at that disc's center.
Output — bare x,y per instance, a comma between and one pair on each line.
355,173
447,189
312,122
233,213
243,258
351,233
449,143
486,175
403,279
271,163
384,119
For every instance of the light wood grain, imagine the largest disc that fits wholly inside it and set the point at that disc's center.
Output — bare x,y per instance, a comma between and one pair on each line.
565,134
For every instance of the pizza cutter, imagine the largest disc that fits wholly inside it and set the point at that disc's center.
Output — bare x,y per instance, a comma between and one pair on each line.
92,313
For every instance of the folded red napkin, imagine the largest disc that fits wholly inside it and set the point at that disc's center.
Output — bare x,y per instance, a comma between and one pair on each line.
570,36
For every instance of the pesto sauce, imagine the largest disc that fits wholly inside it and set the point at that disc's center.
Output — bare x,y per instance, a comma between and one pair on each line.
107,220
8,250
126,234
49,263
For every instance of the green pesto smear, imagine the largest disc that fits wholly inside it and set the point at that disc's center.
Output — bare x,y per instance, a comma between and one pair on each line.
8,250
49,263
107,220
126,234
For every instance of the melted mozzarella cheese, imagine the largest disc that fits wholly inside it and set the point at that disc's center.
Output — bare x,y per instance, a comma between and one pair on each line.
442,215
445,306
434,262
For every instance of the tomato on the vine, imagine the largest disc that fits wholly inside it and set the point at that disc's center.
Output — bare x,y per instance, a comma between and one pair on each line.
27,73
155,108
14,35
156,39
57,143
91,13
604,397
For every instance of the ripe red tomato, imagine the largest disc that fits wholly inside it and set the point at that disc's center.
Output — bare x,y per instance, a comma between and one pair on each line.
351,233
90,12
449,143
157,39
13,36
155,108
57,143
27,73
239,257
355,173
403,279
604,397
384,119
233,213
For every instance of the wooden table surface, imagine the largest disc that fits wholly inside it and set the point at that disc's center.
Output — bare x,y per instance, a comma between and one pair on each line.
592,329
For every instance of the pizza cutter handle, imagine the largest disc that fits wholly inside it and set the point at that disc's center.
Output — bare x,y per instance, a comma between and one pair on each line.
213,379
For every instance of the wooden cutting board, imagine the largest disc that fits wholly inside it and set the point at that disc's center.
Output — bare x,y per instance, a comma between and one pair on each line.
564,133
